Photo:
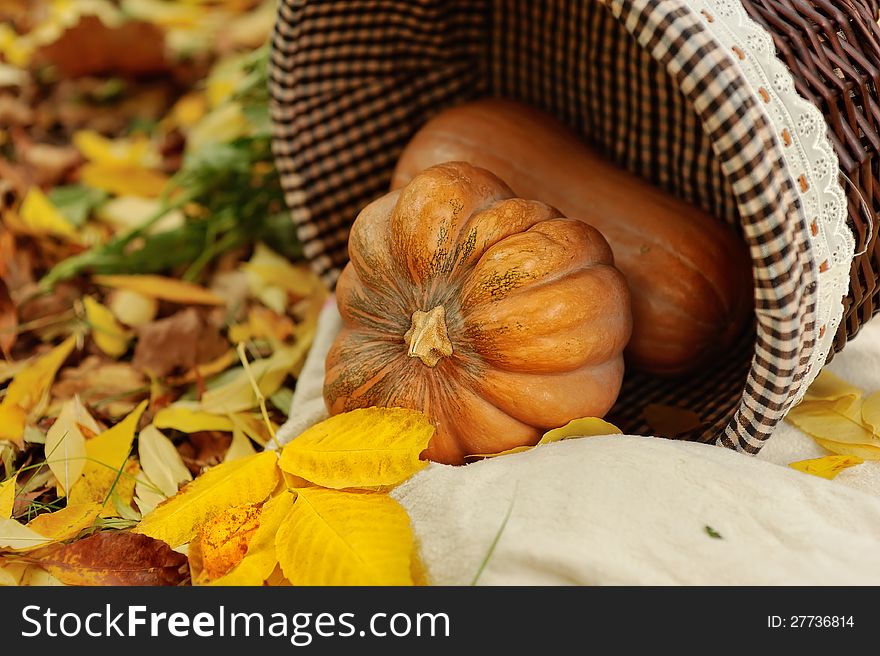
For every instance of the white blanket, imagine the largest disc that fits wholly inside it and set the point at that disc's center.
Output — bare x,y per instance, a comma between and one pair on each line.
632,510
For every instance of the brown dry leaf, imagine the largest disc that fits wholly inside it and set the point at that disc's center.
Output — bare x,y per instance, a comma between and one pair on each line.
179,342
204,371
115,388
134,48
671,421
8,321
204,449
223,541
113,558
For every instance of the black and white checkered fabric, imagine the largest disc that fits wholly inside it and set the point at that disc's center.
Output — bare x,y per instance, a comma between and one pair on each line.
644,80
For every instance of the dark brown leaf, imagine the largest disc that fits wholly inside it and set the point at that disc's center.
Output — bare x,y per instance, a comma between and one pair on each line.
204,449
91,48
180,341
113,558
671,421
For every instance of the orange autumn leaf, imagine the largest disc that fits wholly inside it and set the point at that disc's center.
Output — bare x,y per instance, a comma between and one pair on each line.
223,542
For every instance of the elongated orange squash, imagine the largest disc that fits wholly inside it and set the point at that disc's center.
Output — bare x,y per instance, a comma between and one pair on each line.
689,274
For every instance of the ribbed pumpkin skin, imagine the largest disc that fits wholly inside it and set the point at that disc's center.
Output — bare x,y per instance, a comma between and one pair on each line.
536,317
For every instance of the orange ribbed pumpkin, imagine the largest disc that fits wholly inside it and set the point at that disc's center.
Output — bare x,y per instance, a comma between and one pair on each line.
493,315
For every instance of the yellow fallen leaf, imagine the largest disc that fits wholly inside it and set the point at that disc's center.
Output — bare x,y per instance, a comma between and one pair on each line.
224,78
345,538
19,537
136,151
66,523
162,467
365,448
829,387
583,427
189,110
240,447
254,427
238,394
106,468
187,417
864,451
37,577
266,269
221,125
11,572
826,467
125,213
261,559
871,412
837,421
247,480
43,218
671,421
7,497
132,308
110,337
222,542
65,446
28,391
166,289
8,369
124,181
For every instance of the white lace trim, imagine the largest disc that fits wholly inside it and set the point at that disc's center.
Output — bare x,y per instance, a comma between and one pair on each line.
809,155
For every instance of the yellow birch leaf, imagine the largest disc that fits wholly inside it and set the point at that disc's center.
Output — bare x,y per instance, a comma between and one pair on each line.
136,151
124,181
42,217
826,467
222,542
163,469
240,447
19,537
66,523
364,448
266,268
132,308
238,394
189,418
254,426
28,389
221,125
110,337
345,538
189,110
837,421
11,572
829,387
166,289
105,468
248,480
7,497
871,412
864,451
65,446
261,559
583,427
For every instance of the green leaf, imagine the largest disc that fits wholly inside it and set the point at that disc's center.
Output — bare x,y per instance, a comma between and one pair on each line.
76,202
712,533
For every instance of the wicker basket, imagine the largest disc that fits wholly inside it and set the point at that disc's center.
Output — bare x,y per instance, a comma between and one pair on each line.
764,112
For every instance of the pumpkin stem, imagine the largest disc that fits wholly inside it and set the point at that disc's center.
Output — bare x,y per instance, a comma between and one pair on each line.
427,338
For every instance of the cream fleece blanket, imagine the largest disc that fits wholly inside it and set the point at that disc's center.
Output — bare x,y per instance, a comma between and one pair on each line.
633,510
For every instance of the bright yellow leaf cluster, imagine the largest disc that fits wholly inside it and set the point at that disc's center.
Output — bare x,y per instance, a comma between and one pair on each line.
839,417
319,511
